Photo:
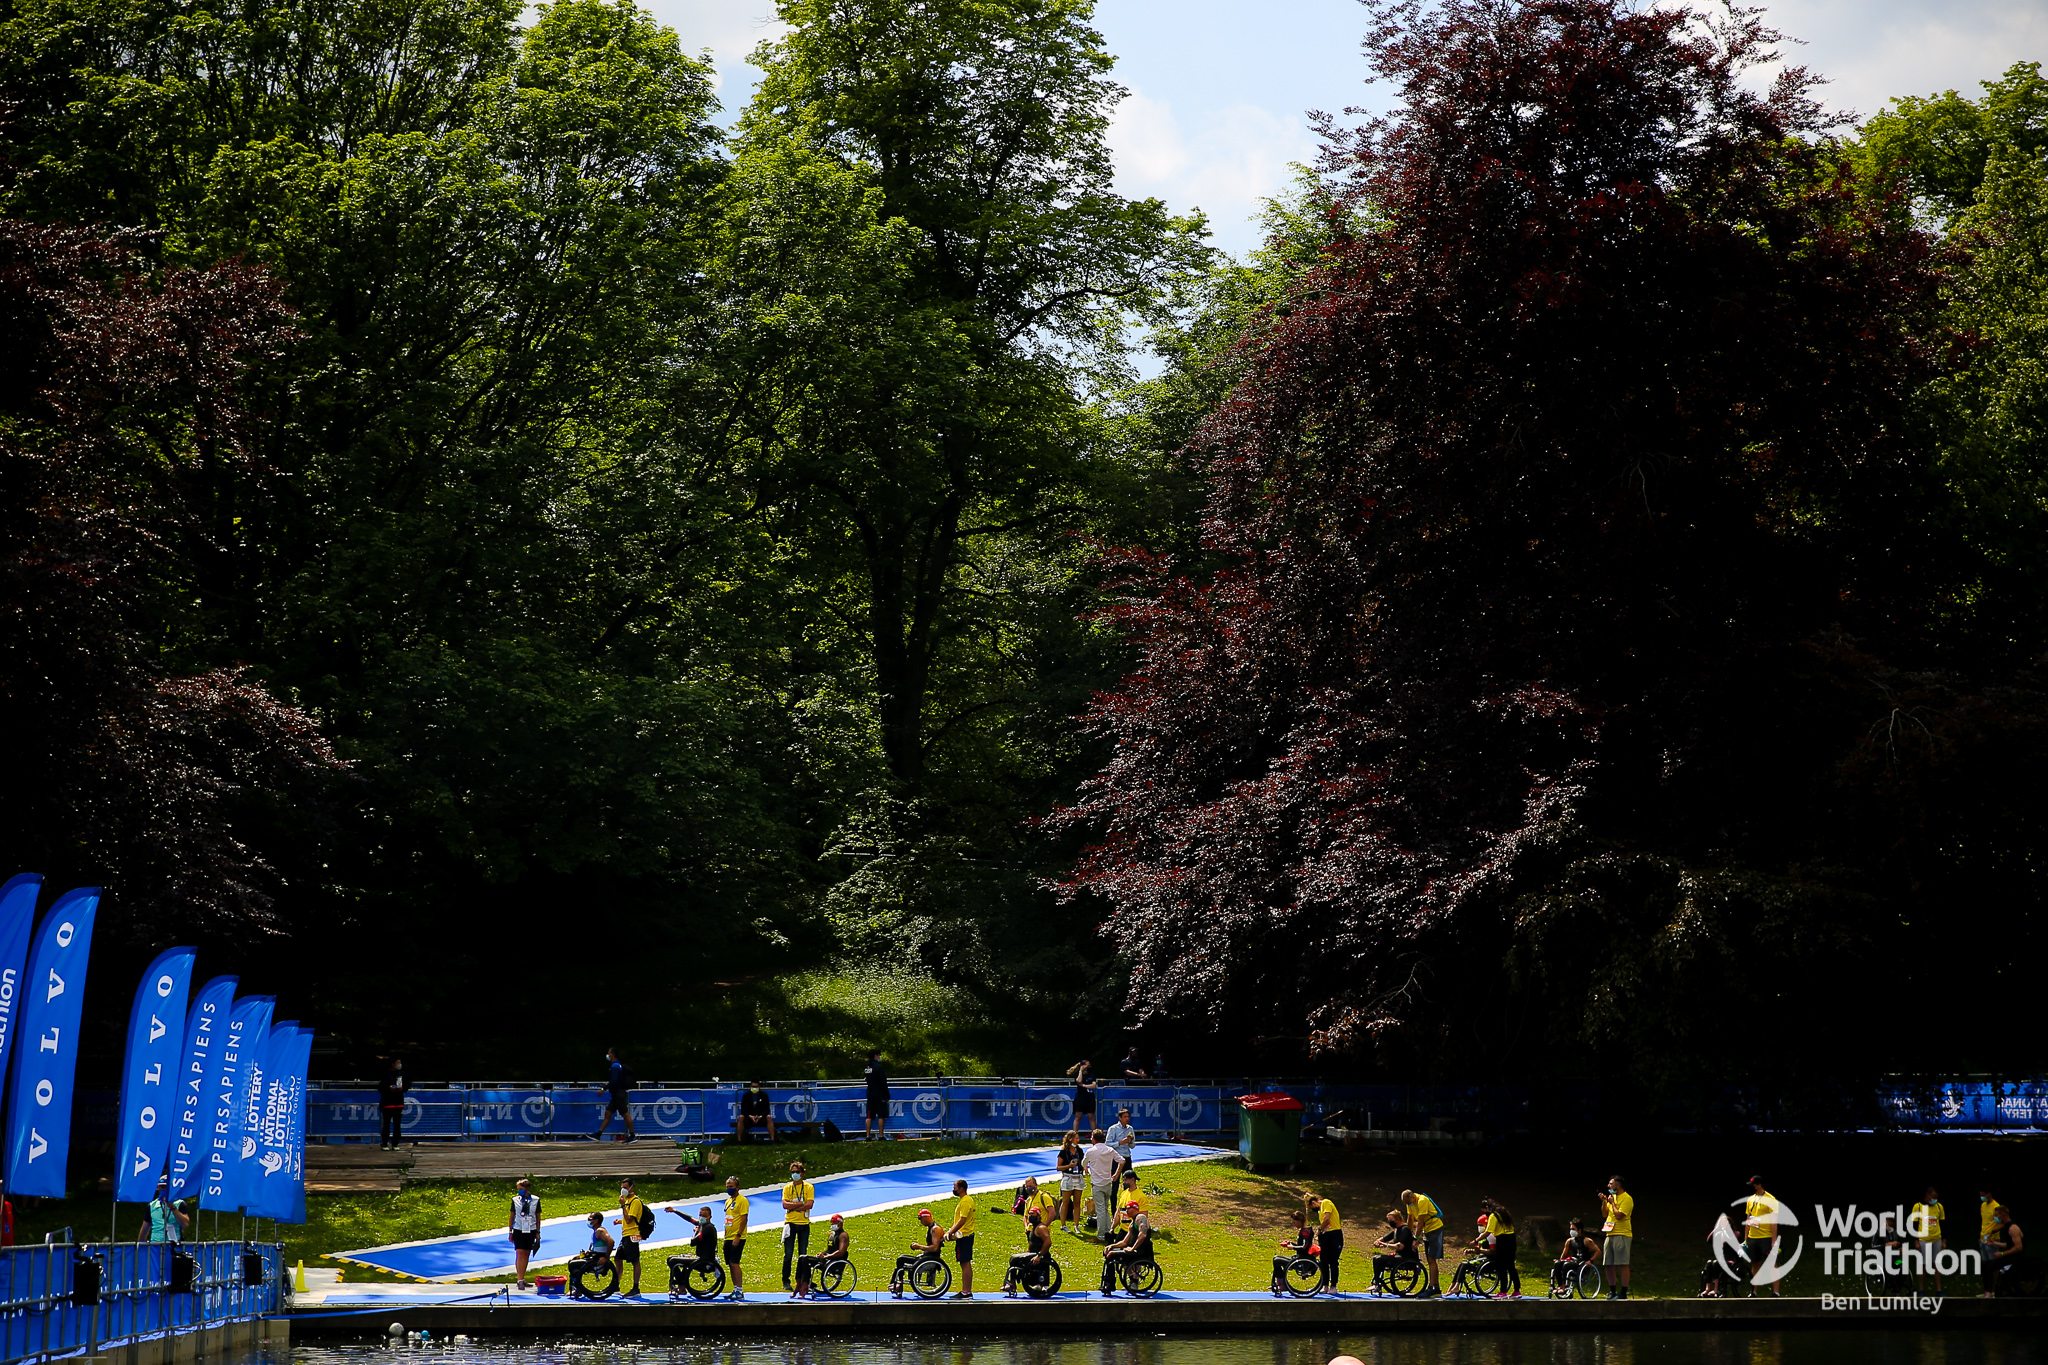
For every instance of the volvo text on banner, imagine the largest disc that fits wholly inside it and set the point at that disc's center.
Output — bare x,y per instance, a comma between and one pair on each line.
273,1136
205,1022
17,917
242,1170
39,1103
149,1075
221,1157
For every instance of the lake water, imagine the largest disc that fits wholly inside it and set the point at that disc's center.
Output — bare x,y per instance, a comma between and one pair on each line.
1806,1347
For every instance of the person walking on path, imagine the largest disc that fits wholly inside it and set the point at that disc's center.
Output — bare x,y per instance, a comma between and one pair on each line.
1084,1096
1068,1208
618,1089
635,1222
1617,1246
877,1077
522,1228
1124,1137
167,1222
1929,1215
735,1235
1760,1231
391,1105
1426,1217
962,1234
798,1199
1329,1225
1100,1162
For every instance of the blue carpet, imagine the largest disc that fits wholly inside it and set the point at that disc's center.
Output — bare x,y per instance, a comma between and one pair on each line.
854,1192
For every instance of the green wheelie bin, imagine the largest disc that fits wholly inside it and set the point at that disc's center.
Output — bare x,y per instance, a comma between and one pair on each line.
1269,1128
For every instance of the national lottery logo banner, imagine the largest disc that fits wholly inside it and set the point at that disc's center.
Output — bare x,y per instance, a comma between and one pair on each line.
39,1105
149,1076
205,1025
221,1156
17,917
242,1172
275,1167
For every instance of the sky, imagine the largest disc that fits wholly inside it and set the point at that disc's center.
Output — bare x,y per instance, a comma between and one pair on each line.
1219,89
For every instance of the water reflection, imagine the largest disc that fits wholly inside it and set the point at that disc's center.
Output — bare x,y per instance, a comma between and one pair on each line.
1392,1348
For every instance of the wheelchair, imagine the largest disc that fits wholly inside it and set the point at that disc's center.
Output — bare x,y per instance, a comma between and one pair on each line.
928,1277
1400,1276
1575,1278
1141,1277
1301,1276
1041,1286
1477,1278
834,1279
593,1277
698,1279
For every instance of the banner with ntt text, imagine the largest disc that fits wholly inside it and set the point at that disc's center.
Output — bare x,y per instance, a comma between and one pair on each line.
149,1076
17,917
39,1104
205,1022
274,1165
247,1036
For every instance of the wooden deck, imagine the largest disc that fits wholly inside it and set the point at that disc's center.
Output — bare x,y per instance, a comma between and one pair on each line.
334,1168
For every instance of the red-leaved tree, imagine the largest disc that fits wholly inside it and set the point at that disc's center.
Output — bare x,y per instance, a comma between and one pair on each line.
1559,508
119,405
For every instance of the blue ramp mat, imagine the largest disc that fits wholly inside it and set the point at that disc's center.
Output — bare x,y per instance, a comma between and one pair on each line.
853,1192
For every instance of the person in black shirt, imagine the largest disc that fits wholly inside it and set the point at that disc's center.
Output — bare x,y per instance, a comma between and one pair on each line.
1084,1096
391,1105
757,1111
878,1095
1400,1239
1134,1066
1304,1238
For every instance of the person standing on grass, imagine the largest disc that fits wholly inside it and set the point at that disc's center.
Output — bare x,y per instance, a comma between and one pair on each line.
1618,1224
798,1199
391,1105
1929,1215
962,1233
618,1089
1329,1234
1084,1096
522,1228
735,1235
1426,1218
1071,1178
1032,1197
1760,1232
877,1077
1100,1162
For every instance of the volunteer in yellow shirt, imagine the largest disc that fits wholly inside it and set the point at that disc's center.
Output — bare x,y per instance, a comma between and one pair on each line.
1426,1218
1035,1198
1926,1229
1329,1234
1131,1195
1617,1247
735,1235
798,1198
962,1233
631,1210
1500,1239
1760,1229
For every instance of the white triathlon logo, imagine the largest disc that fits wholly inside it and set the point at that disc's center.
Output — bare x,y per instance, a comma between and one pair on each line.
1187,1108
1056,1109
1776,1215
929,1107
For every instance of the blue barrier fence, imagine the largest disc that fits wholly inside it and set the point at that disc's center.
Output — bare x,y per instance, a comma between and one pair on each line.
40,1289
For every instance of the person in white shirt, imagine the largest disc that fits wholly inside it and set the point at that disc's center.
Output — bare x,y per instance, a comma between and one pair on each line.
1101,1162
1123,1137
523,1228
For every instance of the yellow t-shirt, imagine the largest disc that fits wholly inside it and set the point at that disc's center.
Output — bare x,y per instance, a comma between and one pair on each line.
1327,1218
1931,1214
1423,1215
1137,1197
1762,1207
1041,1201
1621,1217
1497,1226
797,1191
1987,1218
963,1214
629,1217
735,1216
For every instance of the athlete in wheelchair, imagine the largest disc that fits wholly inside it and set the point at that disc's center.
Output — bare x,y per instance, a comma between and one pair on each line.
594,1274
1576,1271
924,1272
1399,1274
1296,1270
699,1274
833,1267
1129,1261
1033,1269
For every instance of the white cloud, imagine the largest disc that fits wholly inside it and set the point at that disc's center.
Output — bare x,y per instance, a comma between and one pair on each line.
729,29
1872,51
1230,159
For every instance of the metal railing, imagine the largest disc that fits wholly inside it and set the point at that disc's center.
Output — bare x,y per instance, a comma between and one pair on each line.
68,1298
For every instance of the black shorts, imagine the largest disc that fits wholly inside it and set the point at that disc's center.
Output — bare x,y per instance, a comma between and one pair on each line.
963,1249
525,1241
1084,1101
734,1250
629,1250
878,1100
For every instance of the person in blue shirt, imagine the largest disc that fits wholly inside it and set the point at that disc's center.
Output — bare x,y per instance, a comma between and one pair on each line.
618,1087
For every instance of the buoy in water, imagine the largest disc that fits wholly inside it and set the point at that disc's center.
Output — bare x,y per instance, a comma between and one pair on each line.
396,1329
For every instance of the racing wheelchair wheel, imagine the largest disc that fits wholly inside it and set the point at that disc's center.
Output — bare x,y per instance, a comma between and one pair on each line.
599,1281
931,1279
836,1279
1142,1278
1048,1286
1476,1279
1587,1280
698,1279
1303,1277
1403,1280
